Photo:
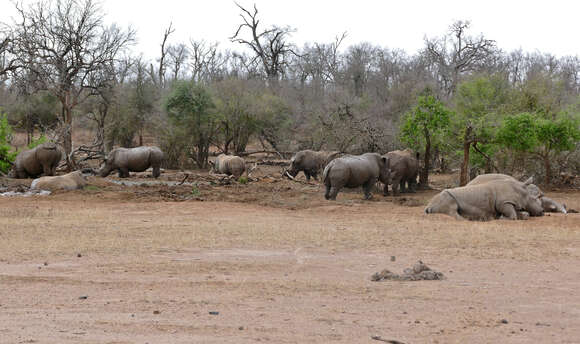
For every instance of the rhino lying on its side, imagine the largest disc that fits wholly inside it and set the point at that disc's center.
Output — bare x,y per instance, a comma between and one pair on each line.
231,165
494,199
310,162
71,181
548,204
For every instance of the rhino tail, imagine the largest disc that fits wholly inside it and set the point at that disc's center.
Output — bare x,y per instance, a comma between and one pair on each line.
326,172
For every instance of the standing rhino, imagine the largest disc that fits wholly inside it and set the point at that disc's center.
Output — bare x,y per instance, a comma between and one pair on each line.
404,168
231,165
71,181
353,171
548,204
132,159
310,162
44,158
486,201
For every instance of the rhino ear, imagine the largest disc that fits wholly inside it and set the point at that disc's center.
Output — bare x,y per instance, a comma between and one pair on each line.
529,181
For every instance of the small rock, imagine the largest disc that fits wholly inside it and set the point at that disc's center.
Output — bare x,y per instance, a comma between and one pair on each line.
79,255
393,258
503,321
241,328
84,297
214,313
45,263
156,312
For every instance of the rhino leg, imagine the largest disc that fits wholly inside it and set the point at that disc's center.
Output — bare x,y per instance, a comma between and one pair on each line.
47,170
508,212
386,190
367,188
123,172
331,192
307,174
403,187
412,186
396,185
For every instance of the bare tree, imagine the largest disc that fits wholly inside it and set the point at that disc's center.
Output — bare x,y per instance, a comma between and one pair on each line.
63,43
164,52
177,56
269,46
457,53
8,61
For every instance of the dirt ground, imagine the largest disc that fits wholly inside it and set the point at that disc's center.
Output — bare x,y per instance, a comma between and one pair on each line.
272,261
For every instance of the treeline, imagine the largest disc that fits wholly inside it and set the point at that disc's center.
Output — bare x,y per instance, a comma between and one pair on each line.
460,101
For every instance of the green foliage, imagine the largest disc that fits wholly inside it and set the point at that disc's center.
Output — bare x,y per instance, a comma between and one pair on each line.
6,156
428,120
192,113
237,119
559,135
526,132
519,132
243,180
35,142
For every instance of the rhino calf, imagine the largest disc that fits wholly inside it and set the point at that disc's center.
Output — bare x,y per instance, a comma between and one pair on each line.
44,158
310,162
71,181
498,198
353,171
137,159
231,165
404,169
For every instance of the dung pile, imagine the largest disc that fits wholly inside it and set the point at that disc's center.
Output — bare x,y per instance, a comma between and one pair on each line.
418,272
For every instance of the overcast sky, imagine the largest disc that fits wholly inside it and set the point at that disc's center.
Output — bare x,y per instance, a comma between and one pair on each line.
546,26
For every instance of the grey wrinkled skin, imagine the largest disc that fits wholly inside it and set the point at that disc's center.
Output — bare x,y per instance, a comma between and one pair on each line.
71,181
310,162
404,169
42,159
548,204
494,199
353,171
231,165
138,159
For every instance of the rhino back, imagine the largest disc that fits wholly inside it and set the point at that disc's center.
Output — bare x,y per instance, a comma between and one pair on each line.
138,158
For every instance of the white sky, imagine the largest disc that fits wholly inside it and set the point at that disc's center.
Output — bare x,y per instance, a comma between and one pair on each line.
545,26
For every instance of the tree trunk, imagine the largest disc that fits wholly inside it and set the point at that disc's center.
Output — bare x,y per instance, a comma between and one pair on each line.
464,176
424,176
67,136
548,167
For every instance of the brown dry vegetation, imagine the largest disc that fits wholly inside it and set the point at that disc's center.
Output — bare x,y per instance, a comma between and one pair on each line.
279,264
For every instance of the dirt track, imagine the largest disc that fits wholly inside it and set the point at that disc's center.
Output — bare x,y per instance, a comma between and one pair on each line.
147,264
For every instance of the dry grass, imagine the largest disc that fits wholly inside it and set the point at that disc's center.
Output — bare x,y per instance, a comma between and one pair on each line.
45,227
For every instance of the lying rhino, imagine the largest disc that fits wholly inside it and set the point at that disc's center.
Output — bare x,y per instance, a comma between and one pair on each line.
71,181
353,171
310,162
44,158
497,198
404,168
229,164
136,159
548,204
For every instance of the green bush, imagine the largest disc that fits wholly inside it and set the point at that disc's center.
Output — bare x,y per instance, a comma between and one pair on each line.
6,156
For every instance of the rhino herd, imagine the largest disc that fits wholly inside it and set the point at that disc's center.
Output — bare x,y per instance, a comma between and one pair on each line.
488,196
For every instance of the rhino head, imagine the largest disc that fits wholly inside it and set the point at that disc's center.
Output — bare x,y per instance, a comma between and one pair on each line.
385,170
